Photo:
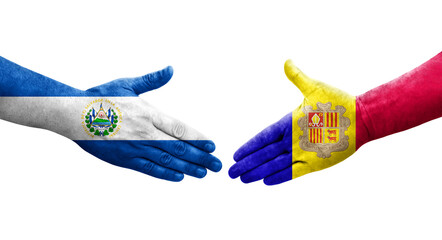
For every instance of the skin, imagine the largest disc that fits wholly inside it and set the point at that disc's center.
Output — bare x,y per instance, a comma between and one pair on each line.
274,155
158,145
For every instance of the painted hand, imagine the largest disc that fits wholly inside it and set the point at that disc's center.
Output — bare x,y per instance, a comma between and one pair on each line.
150,141
109,121
316,135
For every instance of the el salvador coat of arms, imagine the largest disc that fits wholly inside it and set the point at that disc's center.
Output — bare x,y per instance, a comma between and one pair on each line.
101,122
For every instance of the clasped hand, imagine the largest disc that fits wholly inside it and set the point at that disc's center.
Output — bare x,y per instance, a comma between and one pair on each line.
164,147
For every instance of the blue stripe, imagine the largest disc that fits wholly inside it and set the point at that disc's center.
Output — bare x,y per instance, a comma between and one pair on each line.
101,123
122,153
269,168
280,177
17,81
267,154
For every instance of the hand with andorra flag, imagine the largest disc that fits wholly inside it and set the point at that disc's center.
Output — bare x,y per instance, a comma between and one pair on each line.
330,124
109,121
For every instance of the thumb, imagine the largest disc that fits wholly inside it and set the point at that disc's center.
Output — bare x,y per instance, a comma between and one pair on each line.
151,81
305,84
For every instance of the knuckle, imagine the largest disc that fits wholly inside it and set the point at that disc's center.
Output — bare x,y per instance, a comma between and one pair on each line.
166,174
147,79
180,148
141,132
179,130
165,159
147,132
147,167
188,168
202,159
157,120
152,134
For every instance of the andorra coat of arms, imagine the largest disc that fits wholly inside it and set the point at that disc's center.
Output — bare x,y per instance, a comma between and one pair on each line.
324,129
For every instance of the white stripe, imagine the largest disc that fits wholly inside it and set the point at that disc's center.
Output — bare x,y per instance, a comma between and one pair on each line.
63,115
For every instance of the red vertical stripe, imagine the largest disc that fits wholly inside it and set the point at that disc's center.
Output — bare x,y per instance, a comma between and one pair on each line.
336,119
331,119
311,135
314,135
320,135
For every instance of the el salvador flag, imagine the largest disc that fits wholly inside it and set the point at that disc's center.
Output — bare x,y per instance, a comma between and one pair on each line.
109,121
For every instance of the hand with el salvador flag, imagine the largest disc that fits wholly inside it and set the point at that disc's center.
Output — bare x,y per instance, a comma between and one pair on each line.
109,121
330,124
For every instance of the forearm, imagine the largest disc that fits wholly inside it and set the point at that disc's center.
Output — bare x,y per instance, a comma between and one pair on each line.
408,101
66,115
31,99
27,98
17,81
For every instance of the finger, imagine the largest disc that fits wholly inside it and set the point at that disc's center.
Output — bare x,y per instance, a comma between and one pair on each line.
271,134
151,81
179,130
148,167
166,160
275,165
257,158
189,153
297,77
296,170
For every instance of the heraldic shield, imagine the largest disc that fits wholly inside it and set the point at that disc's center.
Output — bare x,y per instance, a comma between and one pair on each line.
324,129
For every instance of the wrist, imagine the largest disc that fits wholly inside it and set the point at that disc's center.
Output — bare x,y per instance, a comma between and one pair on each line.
363,124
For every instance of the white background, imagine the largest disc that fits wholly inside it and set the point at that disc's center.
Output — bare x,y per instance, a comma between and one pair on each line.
229,83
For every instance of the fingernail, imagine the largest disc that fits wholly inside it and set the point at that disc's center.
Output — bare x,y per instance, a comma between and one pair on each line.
210,147
200,172
216,166
232,173
246,179
179,177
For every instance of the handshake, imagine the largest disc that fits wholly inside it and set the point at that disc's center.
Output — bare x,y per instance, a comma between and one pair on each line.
112,123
